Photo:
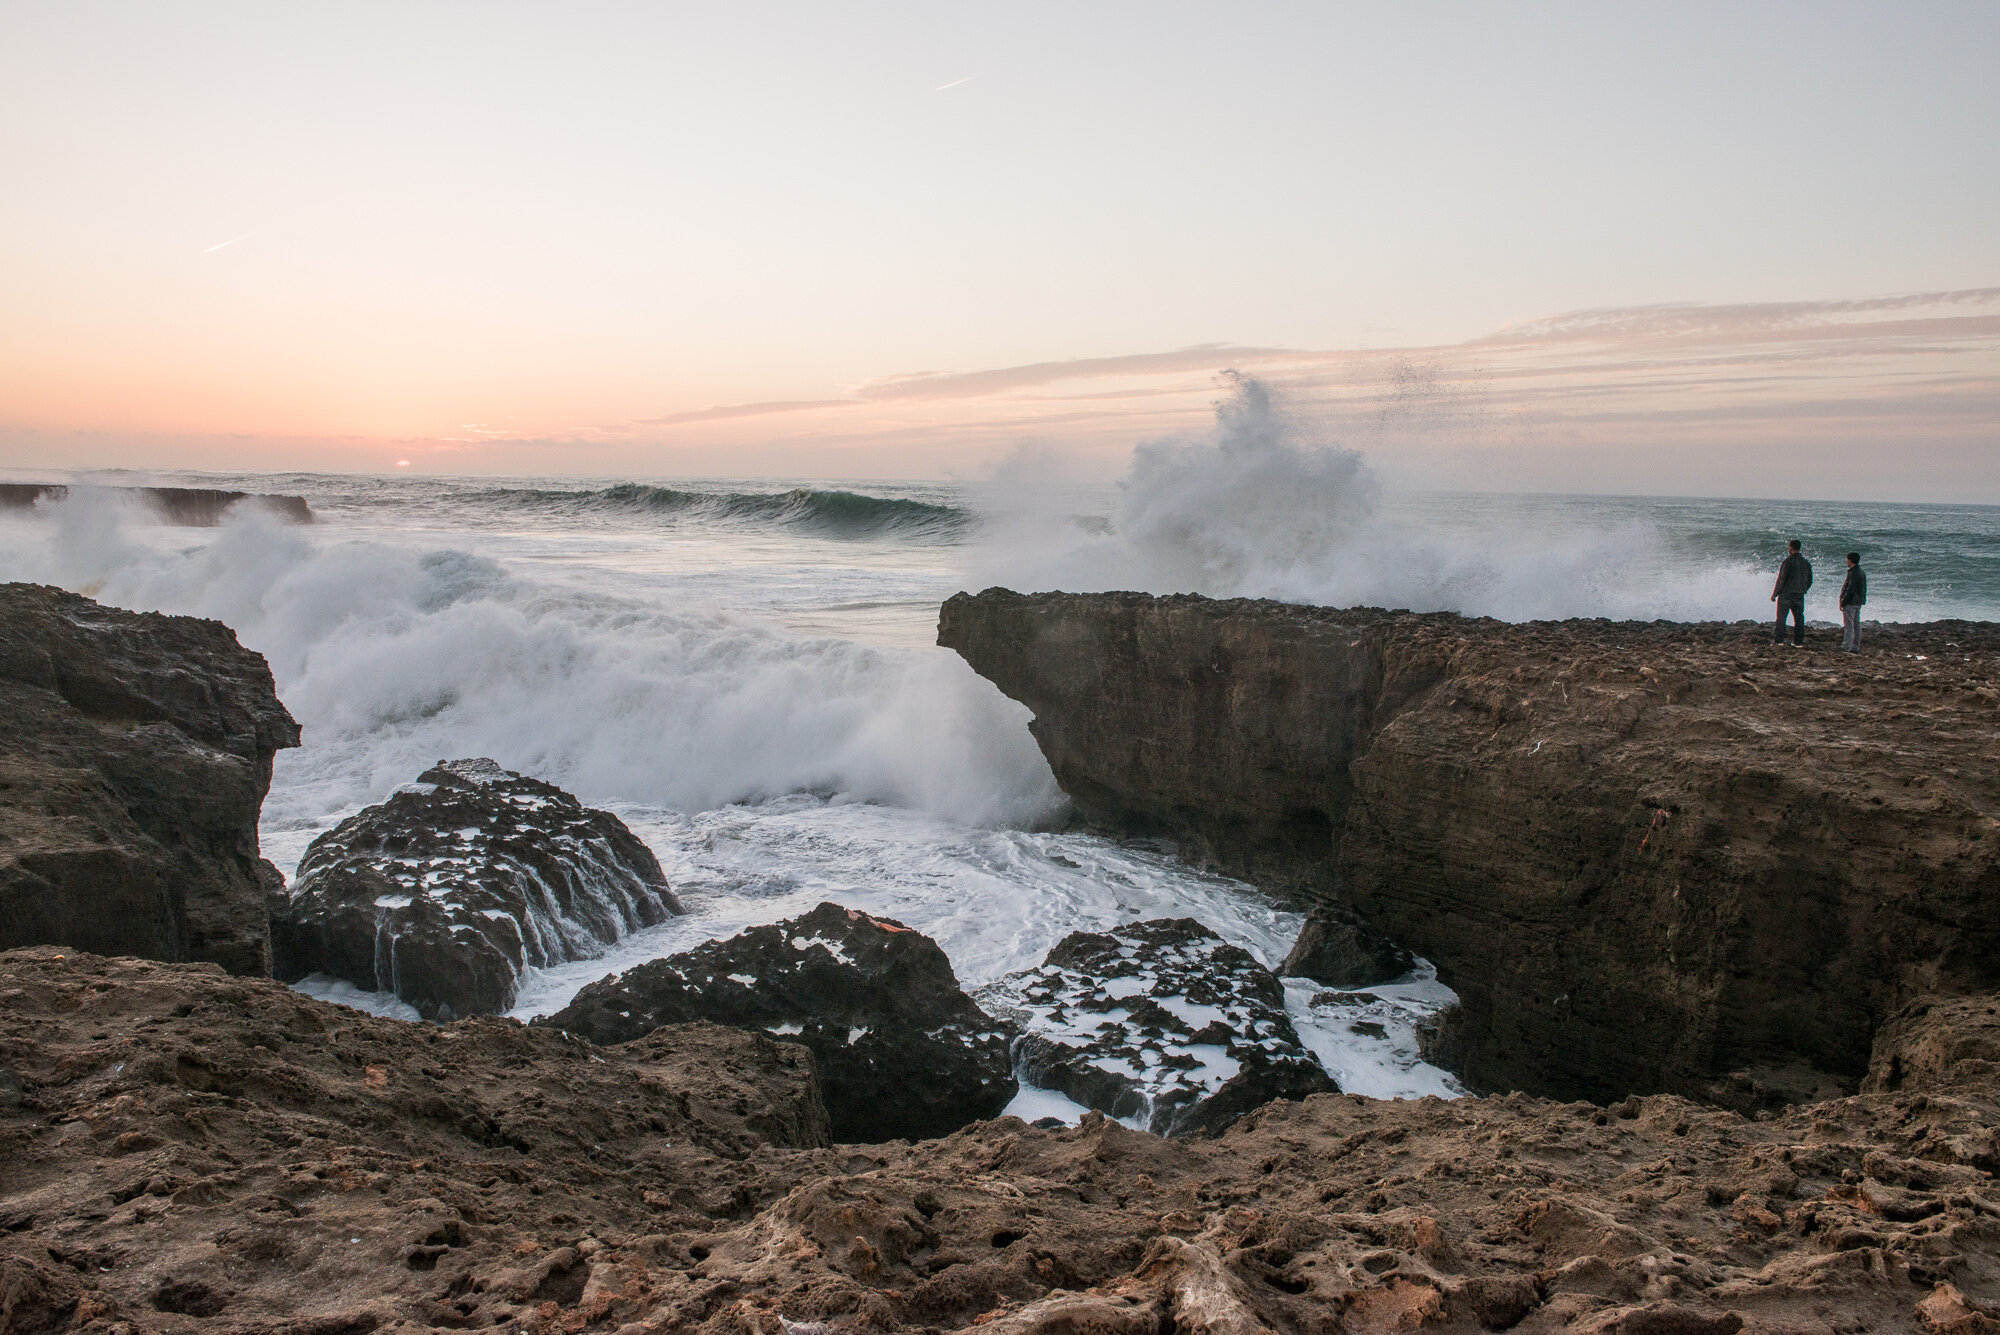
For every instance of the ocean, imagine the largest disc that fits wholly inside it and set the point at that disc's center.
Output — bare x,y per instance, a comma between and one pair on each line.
745,671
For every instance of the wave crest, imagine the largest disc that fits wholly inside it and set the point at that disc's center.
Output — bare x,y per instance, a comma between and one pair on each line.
827,512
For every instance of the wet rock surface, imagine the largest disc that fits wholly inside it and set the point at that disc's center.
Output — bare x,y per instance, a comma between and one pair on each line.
1345,953
443,894
1161,1022
901,1050
136,754
1647,856
190,1142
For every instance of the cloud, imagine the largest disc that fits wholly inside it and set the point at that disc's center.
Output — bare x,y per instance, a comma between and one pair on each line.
1208,357
726,411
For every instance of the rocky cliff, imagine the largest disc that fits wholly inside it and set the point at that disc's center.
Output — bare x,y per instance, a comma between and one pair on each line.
136,754
1648,856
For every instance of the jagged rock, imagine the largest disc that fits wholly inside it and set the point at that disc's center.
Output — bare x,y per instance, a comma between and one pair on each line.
447,891
1937,1043
1161,1021
1342,953
320,1170
136,754
902,1051
1644,855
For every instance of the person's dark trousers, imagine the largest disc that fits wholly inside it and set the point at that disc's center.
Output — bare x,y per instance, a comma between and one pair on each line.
1850,628
1796,609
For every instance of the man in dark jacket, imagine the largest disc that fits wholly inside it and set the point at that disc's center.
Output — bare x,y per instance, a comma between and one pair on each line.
1789,593
1853,593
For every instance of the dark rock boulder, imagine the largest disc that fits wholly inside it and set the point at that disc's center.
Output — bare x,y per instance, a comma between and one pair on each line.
135,757
1163,1021
1340,952
902,1051
447,891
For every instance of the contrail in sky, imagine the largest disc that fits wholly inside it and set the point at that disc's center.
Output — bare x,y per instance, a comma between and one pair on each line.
230,242
953,84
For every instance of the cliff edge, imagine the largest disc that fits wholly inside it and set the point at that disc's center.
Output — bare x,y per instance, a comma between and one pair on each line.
137,754
1649,857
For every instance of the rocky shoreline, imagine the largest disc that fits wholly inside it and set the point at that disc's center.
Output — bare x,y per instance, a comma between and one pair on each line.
1649,857
188,1145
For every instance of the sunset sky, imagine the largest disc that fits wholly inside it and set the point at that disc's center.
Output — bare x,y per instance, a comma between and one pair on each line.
1685,248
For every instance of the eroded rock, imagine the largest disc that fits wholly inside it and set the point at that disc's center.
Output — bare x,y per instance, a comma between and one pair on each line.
135,757
443,894
901,1050
1162,1021
1647,856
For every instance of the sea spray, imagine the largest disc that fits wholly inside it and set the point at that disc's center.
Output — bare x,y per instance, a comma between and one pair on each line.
1267,507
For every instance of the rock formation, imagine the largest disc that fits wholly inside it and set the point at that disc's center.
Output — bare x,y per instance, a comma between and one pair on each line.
189,507
1161,1021
1648,856
901,1051
185,1147
136,754
1343,953
447,891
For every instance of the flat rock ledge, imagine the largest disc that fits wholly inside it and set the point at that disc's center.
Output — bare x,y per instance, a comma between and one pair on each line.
901,1050
445,893
135,756
181,1150
1160,1022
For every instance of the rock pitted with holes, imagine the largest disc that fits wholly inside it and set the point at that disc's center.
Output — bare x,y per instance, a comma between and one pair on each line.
447,891
902,1051
1162,1023
135,754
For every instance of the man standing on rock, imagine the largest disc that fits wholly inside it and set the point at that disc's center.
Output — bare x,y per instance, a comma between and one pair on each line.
1853,593
1789,593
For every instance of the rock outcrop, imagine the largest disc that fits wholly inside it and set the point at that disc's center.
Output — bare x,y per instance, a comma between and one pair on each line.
901,1050
1647,856
188,1148
443,894
1160,1022
189,507
136,754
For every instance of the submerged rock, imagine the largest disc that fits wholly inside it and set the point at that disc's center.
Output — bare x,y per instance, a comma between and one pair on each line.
1161,1021
447,891
1342,953
136,753
902,1051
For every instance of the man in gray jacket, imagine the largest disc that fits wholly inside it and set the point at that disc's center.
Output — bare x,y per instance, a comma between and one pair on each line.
1853,594
1789,593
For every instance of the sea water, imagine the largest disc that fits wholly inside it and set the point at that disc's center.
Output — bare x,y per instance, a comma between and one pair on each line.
745,671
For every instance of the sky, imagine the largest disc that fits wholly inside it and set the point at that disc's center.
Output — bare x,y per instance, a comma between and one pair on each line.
1683,247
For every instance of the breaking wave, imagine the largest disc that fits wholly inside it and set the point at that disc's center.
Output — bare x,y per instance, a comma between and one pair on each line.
828,513
393,655
1269,508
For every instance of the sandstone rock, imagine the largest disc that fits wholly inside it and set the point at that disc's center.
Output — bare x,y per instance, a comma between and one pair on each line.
901,1050
1937,1043
447,891
1343,953
136,755
1645,855
1162,1021
187,1135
